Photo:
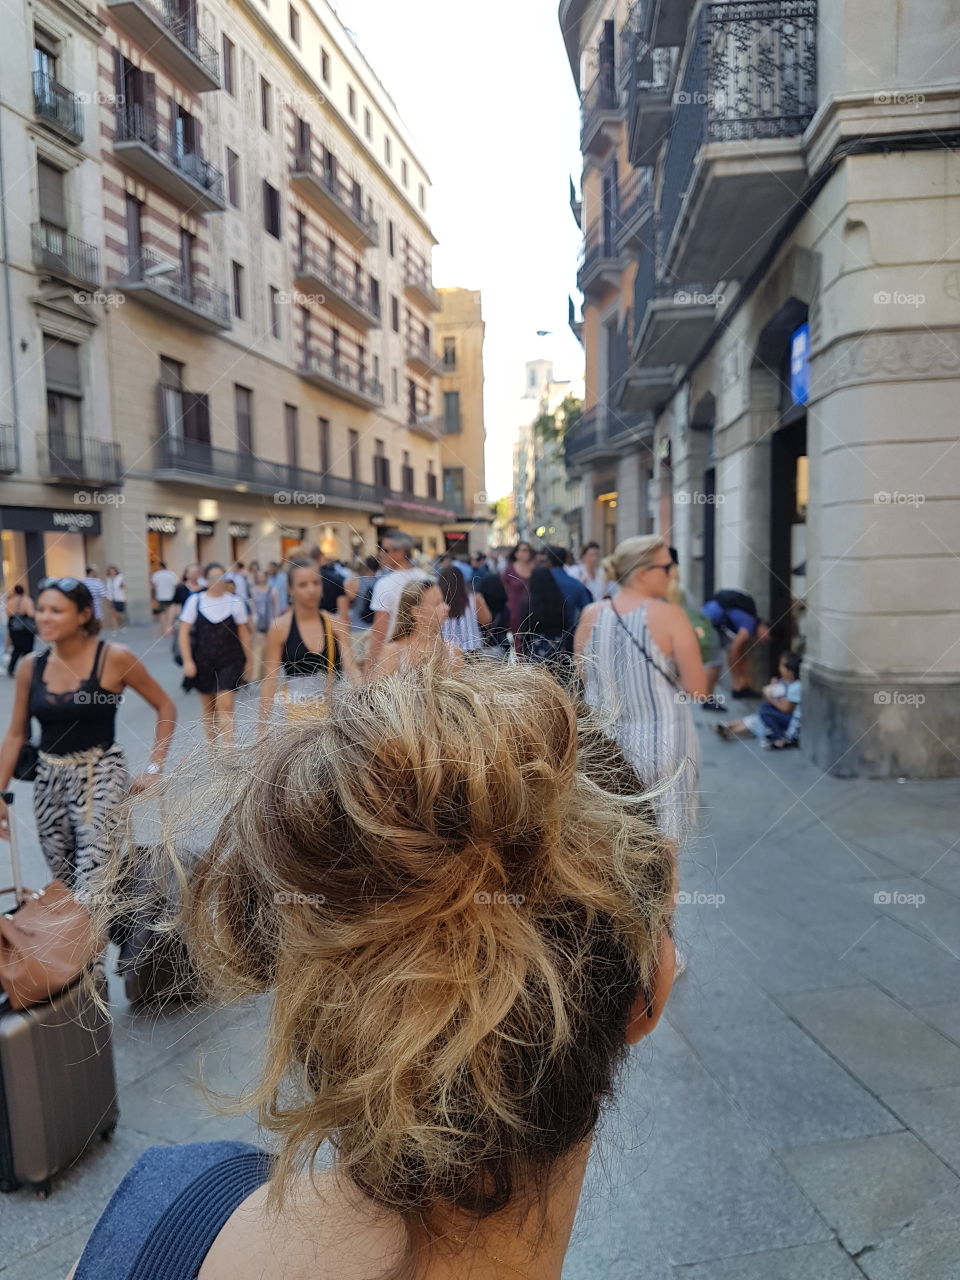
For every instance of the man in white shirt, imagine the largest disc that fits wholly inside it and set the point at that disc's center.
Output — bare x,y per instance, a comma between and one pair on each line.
589,571
163,583
398,561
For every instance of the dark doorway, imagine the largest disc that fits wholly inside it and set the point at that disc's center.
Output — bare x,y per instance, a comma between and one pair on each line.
709,531
788,497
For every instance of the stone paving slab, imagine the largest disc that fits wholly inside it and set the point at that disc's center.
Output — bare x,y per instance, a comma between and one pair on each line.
867,1189
803,1262
880,1042
945,1017
934,1116
927,1248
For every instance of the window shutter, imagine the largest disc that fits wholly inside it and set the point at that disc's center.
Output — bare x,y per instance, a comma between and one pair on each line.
149,89
52,207
61,365
196,417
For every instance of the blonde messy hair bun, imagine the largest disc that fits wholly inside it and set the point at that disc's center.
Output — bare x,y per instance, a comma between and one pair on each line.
457,895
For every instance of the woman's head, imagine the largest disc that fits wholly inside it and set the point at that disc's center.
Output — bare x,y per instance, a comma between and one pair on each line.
112,570
305,582
422,609
454,587
642,563
18,589
463,918
64,608
590,557
522,553
545,606
214,576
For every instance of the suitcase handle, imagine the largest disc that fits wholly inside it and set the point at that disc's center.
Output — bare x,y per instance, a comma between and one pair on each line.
17,887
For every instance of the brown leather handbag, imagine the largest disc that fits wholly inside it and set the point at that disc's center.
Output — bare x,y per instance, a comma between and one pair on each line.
45,945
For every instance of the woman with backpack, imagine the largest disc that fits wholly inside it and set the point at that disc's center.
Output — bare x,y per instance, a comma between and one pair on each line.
215,647
546,633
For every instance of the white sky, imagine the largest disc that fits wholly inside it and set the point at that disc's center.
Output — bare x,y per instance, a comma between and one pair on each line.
486,92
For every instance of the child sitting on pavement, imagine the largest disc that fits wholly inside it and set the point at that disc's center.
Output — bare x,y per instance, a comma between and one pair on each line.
778,718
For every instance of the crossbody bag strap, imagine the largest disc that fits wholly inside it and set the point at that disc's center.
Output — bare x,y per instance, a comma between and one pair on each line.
643,650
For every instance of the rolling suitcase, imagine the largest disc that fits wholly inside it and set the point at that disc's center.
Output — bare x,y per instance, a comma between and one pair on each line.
58,1087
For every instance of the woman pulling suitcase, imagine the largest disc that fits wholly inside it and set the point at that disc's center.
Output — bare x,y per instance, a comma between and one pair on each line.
73,691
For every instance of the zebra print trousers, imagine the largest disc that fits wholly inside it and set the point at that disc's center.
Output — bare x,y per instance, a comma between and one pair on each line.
71,799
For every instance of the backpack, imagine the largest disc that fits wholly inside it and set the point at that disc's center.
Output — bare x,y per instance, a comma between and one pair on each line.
736,600
364,600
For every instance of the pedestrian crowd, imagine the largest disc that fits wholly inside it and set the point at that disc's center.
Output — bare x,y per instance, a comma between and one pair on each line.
523,718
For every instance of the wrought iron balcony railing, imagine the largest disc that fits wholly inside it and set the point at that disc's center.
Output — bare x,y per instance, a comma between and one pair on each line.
341,282
416,276
198,459
65,256
582,437
72,456
345,196
136,124
167,279
751,73
184,29
599,101
8,447
56,105
342,371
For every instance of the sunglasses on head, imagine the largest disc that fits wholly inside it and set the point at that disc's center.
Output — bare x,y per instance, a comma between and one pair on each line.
65,585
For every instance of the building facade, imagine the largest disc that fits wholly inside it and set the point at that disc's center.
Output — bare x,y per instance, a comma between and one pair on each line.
793,354
219,294
459,331
542,494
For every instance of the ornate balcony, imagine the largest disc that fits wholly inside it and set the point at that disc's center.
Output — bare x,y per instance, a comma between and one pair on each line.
650,100
340,202
8,448
341,290
146,146
174,40
342,377
417,283
733,167
73,458
422,359
159,283
600,267
600,114
57,108
634,210
64,256
196,462
586,444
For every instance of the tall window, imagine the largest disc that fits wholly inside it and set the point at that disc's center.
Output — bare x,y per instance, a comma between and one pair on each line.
53,208
324,65
271,209
134,215
237,290
353,446
451,413
233,178
422,196
243,414
187,247
290,431
305,332
294,25
61,366
367,122
431,480
323,430
229,54
381,465
352,102
387,150
407,475
404,172
449,353
394,313
266,113
395,384
274,312
453,487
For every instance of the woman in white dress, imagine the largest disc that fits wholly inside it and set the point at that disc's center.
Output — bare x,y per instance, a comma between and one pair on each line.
640,662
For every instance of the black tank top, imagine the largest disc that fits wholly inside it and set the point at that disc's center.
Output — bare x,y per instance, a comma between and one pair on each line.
77,719
298,660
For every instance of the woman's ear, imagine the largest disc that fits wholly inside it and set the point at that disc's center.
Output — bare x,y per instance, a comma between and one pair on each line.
644,1014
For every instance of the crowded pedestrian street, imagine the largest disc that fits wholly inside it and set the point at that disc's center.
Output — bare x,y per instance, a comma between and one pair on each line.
795,1116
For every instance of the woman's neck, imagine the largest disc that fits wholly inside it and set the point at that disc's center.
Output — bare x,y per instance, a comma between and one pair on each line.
69,647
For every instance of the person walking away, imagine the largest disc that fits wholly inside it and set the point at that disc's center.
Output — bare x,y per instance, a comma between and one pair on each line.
310,646
590,571
191,581
358,590
546,633
73,691
215,648
516,581
777,719
639,660
116,589
265,608
163,583
418,635
491,590
466,614
94,584
400,570
21,626
278,580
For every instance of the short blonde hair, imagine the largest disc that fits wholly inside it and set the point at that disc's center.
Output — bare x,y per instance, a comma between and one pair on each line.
410,599
632,554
